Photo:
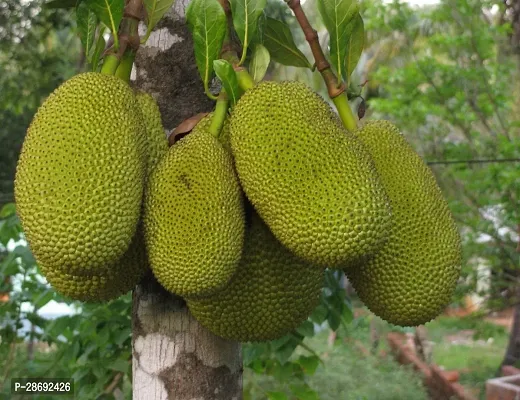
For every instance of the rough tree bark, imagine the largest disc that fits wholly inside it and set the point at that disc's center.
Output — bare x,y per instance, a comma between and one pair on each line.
175,358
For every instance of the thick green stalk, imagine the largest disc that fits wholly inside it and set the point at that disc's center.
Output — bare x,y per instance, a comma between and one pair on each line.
110,64
124,69
345,113
220,114
245,81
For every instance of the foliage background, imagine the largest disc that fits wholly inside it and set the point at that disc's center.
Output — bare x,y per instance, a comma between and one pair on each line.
446,75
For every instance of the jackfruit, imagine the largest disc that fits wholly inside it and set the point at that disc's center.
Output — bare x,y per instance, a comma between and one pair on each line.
310,180
194,217
80,177
125,274
116,280
272,293
157,143
412,278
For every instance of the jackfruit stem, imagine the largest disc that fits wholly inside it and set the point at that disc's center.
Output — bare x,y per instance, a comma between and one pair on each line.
124,70
345,112
110,64
335,87
245,80
220,114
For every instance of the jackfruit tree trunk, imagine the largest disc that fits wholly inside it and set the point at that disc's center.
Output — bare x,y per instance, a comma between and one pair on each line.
175,358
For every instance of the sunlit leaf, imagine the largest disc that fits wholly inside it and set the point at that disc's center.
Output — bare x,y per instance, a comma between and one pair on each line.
110,12
245,20
228,77
279,42
155,10
336,15
207,23
259,63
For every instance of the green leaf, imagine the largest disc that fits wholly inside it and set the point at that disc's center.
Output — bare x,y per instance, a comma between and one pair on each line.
334,320
309,364
43,298
304,392
207,23
61,4
278,343
336,15
354,47
245,20
347,315
7,210
259,63
279,42
282,372
228,77
87,23
155,10
98,49
319,314
258,366
306,329
80,373
25,254
110,12
276,396
285,352
122,336
120,365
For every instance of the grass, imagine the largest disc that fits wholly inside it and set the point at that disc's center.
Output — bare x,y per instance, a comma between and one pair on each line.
476,362
350,374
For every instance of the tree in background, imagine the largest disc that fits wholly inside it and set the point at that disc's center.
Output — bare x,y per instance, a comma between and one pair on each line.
450,81
38,50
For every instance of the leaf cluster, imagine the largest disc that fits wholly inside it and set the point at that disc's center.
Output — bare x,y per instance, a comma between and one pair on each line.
264,39
91,344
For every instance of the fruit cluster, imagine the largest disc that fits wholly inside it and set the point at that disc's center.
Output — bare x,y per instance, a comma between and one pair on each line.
241,223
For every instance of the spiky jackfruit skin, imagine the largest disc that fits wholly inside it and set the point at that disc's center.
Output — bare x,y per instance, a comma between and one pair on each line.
310,180
272,293
116,280
194,216
412,278
80,176
157,143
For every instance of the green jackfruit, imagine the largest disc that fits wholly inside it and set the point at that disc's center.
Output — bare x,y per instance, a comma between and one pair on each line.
271,294
80,176
116,280
194,217
157,143
412,278
310,180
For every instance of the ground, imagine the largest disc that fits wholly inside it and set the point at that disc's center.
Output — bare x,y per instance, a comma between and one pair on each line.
474,346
